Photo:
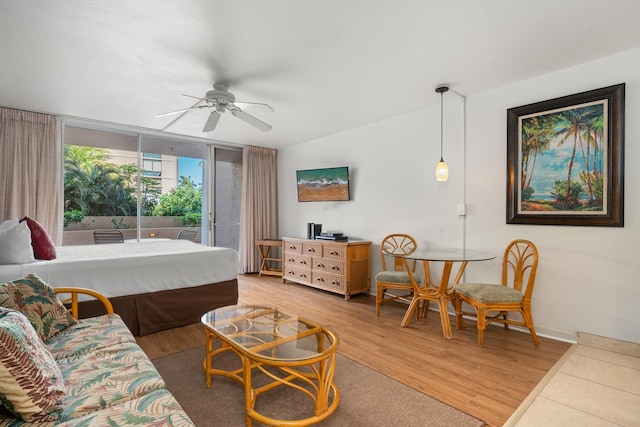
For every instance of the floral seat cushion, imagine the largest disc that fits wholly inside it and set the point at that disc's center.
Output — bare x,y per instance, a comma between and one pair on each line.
106,378
90,335
158,408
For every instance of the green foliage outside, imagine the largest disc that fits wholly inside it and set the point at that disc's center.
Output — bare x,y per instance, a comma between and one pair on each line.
184,200
192,219
95,187
73,217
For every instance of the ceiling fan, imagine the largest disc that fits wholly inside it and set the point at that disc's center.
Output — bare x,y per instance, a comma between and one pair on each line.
221,100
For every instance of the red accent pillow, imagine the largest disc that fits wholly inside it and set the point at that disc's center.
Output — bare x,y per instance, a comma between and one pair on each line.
43,247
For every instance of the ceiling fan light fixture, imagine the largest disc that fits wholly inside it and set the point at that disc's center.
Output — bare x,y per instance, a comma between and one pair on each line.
221,99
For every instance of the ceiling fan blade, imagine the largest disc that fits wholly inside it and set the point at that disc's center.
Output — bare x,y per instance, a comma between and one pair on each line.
212,121
182,113
258,104
184,110
251,120
194,97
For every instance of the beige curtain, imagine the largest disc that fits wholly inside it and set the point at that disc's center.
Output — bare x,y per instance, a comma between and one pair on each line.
259,203
31,168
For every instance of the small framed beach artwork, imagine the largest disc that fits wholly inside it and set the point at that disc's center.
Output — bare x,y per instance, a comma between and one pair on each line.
323,185
565,160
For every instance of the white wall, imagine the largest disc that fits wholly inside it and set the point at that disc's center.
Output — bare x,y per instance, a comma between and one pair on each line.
587,277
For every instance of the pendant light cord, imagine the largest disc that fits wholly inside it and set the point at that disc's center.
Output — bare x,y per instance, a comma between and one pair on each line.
441,126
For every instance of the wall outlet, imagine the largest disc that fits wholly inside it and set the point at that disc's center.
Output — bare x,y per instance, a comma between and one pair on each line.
462,209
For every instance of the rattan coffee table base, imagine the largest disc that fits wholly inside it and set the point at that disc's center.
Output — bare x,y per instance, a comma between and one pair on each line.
313,377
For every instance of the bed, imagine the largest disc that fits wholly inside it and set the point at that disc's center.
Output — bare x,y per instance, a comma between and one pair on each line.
153,286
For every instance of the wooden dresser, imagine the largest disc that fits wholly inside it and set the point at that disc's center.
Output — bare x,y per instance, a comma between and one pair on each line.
340,267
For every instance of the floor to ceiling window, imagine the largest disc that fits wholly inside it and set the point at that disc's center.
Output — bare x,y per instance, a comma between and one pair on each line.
149,187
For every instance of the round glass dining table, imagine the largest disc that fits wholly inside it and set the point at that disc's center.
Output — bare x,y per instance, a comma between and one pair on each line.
442,292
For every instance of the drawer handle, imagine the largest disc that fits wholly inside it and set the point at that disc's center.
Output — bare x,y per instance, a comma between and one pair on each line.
320,265
302,275
333,282
335,268
290,273
320,279
292,247
333,253
303,261
311,250
291,260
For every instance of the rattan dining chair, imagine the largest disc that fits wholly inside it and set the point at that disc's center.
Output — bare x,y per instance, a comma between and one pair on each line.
519,266
107,236
396,277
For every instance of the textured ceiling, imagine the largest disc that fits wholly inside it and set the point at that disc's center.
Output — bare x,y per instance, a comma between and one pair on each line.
324,66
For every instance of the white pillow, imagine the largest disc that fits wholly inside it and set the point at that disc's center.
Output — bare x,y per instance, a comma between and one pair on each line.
15,243
6,225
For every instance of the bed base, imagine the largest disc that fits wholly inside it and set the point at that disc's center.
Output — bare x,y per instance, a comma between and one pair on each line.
156,311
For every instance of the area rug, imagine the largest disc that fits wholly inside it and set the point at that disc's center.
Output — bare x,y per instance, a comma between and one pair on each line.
367,398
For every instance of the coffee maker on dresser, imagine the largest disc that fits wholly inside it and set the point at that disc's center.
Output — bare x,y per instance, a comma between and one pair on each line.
313,230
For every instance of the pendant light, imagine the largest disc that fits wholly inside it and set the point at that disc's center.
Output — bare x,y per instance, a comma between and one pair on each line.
442,170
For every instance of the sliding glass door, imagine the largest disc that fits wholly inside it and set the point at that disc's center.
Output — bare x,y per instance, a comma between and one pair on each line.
149,187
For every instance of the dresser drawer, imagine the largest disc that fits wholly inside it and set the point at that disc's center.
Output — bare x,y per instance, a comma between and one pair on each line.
294,246
312,248
295,260
297,274
328,265
330,282
334,251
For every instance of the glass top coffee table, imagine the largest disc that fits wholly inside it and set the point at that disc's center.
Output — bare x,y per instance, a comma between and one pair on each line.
290,350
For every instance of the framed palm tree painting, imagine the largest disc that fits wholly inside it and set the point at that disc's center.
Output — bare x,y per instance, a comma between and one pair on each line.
565,160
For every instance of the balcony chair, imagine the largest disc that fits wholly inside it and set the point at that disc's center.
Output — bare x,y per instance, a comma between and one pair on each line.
107,236
187,235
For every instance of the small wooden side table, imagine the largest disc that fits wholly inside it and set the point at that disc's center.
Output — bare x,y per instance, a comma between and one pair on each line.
266,267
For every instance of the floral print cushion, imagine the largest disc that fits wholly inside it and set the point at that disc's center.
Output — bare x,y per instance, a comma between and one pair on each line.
6,300
38,301
90,335
106,378
31,385
158,408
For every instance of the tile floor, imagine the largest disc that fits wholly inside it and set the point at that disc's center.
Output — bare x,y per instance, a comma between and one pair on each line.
596,383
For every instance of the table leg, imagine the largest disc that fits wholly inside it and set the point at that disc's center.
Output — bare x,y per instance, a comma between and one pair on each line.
441,293
207,357
264,255
249,396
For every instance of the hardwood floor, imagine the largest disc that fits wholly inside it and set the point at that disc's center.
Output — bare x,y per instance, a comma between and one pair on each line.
488,383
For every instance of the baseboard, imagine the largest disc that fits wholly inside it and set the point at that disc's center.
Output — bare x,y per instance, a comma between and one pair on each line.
609,344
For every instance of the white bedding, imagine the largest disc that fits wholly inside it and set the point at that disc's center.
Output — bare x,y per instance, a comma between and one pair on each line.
132,268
